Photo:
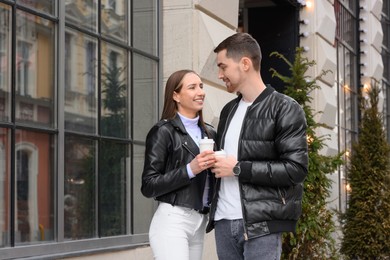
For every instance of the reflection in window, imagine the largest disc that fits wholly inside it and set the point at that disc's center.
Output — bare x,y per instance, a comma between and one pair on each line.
96,188
114,110
145,95
5,63
24,68
112,4
34,188
46,6
113,165
113,59
114,19
34,70
143,206
145,25
81,97
79,188
90,67
4,184
23,224
68,59
82,13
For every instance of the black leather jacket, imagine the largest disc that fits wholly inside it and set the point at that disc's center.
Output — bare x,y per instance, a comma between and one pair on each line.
273,156
169,148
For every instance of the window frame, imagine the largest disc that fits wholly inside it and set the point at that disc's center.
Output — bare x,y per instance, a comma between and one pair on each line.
61,247
347,11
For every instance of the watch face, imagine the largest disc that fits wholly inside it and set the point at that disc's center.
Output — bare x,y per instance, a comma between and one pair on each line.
236,170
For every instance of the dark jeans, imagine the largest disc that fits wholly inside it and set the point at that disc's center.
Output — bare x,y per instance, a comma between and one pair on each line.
229,236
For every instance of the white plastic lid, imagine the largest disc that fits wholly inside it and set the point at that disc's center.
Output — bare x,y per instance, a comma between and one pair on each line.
206,141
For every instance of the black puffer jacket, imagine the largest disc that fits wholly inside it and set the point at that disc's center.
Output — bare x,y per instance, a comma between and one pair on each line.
169,148
273,156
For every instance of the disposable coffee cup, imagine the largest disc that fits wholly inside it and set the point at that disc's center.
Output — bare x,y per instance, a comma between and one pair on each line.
206,144
220,153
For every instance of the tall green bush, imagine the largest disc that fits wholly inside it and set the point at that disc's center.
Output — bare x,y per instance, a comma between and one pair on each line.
367,219
313,239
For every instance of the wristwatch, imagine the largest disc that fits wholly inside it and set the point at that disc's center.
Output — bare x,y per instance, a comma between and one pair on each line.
237,169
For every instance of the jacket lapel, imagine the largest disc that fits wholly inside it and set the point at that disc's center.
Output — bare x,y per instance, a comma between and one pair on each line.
186,138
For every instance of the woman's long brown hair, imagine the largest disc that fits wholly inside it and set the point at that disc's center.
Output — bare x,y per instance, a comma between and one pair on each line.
175,84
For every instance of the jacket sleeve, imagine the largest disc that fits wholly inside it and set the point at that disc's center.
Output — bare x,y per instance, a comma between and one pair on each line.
290,168
162,174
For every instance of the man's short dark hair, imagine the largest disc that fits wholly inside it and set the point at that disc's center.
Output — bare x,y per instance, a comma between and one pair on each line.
241,45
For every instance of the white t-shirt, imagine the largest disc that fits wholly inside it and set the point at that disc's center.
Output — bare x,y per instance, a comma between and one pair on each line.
229,204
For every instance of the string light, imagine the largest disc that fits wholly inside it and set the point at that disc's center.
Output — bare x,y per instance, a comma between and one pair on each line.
304,34
304,21
366,88
348,187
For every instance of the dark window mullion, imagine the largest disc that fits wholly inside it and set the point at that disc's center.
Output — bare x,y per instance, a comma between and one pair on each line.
99,132
60,90
13,130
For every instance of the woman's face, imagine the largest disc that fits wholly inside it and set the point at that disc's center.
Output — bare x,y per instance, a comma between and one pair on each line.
191,96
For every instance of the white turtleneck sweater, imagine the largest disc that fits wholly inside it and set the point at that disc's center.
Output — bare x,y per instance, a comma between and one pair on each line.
193,129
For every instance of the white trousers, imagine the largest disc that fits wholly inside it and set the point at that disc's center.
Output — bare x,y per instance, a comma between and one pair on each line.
177,233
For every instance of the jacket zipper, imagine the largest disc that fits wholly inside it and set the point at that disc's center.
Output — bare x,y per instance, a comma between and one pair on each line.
238,152
282,197
188,149
239,183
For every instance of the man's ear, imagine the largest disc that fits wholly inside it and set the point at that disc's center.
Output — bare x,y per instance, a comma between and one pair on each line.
246,63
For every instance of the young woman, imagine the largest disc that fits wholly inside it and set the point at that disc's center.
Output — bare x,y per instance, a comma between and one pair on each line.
176,174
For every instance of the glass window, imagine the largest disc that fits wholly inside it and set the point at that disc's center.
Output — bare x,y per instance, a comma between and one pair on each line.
4,187
346,23
143,207
145,96
114,163
82,14
66,184
81,91
70,83
5,63
34,70
348,85
115,92
79,188
145,25
114,20
47,6
34,179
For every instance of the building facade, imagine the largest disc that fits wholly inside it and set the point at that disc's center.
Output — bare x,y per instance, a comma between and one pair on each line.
82,82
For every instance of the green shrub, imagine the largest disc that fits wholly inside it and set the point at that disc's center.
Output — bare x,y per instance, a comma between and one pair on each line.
366,221
313,239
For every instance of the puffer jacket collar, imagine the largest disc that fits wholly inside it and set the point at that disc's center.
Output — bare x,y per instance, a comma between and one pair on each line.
263,95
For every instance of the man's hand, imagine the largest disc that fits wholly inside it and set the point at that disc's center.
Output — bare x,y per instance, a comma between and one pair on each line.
223,167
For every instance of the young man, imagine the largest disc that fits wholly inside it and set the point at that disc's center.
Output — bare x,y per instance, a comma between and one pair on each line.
260,183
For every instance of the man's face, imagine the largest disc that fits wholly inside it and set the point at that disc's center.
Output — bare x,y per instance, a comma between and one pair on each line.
229,71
